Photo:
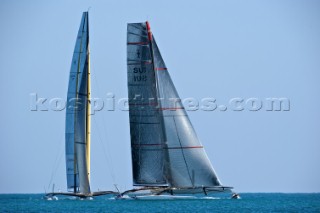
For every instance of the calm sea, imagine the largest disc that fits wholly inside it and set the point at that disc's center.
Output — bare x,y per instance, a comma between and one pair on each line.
249,202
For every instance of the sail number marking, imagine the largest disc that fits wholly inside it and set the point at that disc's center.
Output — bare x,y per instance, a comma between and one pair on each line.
139,74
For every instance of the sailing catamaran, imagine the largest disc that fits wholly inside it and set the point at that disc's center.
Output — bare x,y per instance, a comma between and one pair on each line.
77,132
167,156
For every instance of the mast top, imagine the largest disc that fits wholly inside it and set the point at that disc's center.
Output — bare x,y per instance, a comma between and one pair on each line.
149,31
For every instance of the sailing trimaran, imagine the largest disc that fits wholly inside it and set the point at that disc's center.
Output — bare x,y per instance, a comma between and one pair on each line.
167,156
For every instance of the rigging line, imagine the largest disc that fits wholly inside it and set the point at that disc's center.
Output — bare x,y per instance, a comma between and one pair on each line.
104,124
57,161
111,171
105,130
57,165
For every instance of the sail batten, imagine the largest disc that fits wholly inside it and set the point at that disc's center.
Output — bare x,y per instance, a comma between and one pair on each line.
76,114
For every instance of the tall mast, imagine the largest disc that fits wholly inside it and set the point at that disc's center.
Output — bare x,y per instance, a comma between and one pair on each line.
164,136
88,117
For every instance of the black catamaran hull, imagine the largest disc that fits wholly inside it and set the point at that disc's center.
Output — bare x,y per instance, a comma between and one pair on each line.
177,191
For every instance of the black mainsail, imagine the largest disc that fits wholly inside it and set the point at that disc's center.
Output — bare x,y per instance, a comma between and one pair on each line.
145,120
165,148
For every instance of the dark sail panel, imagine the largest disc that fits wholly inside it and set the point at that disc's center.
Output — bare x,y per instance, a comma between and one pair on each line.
76,167
187,161
145,127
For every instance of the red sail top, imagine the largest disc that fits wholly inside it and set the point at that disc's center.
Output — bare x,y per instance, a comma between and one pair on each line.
149,31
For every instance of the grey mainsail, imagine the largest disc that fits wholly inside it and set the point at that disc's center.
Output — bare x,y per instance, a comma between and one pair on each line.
77,122
165,147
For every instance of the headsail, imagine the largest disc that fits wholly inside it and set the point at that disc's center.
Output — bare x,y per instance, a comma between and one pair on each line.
77,114
188,163
163,142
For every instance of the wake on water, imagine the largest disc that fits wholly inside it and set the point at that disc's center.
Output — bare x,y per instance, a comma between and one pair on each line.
137,198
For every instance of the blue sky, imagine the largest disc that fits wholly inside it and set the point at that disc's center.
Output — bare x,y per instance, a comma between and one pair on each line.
217,49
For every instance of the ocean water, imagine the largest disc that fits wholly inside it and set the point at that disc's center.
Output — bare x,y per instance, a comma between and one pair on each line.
249,202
